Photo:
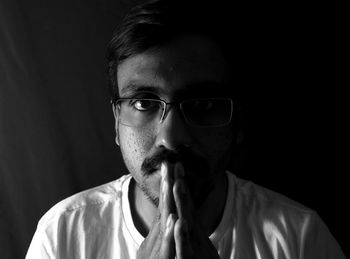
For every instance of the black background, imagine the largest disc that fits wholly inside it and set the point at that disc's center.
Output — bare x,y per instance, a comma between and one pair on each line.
56,124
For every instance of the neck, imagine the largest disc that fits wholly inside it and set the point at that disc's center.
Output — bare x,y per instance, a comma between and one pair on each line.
210,213
142,209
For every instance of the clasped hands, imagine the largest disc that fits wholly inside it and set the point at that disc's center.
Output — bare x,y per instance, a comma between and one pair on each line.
175,232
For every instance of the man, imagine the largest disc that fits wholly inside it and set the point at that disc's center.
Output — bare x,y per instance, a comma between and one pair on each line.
177,124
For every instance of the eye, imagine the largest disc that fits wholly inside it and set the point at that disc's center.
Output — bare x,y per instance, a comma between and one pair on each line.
144,104
203,105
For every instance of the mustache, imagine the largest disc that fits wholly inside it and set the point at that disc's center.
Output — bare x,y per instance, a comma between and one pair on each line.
188,158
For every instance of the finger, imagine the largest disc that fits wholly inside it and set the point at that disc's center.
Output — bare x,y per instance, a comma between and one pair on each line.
183,245
160,196
167,249
166,194
150,241
181,203
179,171
188,244
182,195
155,250
154,231
151,244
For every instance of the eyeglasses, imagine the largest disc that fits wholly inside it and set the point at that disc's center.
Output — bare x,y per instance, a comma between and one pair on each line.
202,112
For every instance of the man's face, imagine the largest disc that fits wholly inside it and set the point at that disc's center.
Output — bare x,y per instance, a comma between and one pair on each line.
188,68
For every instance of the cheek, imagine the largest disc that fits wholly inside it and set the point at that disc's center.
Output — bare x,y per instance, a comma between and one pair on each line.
135,145
217,144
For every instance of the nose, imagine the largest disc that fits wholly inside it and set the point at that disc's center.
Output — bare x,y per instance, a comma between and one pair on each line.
173,131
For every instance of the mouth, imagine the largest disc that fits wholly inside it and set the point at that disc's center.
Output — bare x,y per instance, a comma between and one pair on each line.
155,171
192,163
158,167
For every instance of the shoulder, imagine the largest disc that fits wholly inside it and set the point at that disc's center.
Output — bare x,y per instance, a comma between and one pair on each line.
277,219
87,201
75,225
268,209
250,194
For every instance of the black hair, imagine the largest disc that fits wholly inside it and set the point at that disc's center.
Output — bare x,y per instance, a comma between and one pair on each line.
153,24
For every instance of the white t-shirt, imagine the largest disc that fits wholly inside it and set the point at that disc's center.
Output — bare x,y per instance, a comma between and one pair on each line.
257,224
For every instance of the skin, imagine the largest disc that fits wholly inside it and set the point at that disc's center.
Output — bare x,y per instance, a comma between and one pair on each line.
176,208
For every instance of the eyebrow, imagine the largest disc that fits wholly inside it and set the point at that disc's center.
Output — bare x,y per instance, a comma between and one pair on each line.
133,88
196,89
206,87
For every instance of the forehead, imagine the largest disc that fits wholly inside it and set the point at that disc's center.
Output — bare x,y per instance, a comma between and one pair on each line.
187,64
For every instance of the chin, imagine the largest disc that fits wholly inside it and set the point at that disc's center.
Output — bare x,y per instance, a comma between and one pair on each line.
152,196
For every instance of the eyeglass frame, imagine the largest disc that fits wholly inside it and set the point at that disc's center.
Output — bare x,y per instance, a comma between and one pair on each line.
165,111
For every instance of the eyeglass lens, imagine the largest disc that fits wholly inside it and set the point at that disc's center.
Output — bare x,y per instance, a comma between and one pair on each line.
197,112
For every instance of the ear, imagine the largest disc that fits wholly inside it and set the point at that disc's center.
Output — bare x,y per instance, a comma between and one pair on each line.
116,123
